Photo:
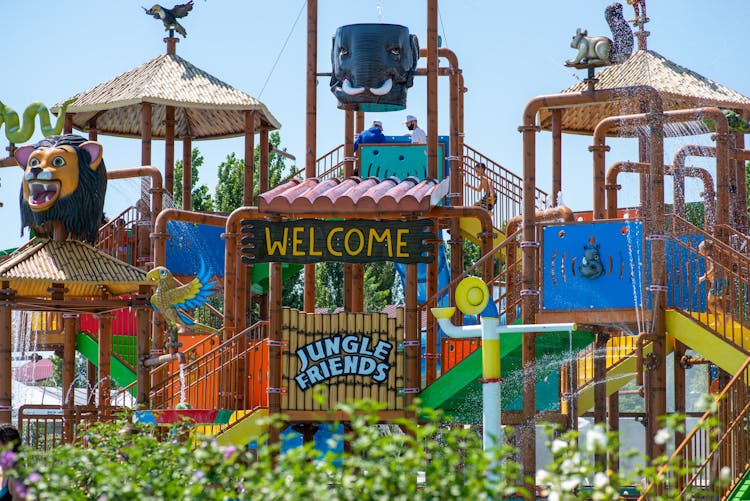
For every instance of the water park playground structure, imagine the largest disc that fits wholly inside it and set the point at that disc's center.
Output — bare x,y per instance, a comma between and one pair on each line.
583,304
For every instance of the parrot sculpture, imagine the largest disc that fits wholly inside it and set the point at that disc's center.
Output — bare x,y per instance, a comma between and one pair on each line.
169,16
172,299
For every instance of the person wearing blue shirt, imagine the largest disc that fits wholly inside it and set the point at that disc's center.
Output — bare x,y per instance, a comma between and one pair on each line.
373,135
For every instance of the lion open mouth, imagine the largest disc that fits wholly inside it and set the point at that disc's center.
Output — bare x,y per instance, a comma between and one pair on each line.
42,193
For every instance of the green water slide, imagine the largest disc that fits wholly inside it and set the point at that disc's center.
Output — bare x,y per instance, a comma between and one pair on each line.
459,394
261,275
123,350
742,490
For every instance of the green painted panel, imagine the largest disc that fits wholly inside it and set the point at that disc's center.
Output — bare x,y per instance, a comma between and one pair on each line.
89,348
742,491
400,160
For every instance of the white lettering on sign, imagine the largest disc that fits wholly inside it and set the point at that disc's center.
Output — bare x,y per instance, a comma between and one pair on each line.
334,356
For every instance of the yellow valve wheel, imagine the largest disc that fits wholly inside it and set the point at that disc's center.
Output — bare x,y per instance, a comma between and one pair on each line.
472,295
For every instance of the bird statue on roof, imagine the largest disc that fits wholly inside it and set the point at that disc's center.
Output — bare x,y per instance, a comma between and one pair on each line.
172,299
169,16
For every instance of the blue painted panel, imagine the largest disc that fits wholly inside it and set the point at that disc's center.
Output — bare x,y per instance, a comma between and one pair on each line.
570,281
189,243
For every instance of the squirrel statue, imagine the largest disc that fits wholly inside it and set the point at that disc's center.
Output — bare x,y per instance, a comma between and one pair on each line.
601,51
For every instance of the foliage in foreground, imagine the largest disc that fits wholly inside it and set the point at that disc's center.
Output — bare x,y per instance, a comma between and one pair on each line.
123,461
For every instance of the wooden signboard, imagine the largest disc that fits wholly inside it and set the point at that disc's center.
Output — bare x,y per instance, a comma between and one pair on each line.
341,357
306,241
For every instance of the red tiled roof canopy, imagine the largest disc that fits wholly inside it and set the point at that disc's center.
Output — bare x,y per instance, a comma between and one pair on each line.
353,194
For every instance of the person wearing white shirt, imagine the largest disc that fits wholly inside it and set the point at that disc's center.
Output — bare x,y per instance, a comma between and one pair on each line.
418,136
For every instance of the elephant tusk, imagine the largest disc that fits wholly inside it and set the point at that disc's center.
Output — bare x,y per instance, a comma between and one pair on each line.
352,91
383,89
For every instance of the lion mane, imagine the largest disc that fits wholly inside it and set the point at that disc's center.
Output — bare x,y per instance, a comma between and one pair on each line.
80,212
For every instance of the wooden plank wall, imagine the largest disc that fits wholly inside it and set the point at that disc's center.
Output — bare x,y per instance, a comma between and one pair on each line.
299,329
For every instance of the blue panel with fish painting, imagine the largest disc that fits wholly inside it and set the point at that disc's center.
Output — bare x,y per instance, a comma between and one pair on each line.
592,265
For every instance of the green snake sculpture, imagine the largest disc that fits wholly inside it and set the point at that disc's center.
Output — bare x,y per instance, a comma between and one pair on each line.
17,133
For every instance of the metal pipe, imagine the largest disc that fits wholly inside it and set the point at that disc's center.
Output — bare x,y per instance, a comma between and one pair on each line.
163,359
640,339
641,167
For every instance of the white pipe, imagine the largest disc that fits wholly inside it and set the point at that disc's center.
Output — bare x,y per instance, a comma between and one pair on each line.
456,331
492,436
163,359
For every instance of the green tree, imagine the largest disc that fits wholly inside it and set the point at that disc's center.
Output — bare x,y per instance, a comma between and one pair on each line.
329,285
230,184
201,198
380,278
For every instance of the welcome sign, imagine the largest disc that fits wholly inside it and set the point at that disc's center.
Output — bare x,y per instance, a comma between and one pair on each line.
307,241
333,358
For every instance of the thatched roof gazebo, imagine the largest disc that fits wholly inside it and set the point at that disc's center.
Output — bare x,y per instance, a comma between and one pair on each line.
169,98
680,87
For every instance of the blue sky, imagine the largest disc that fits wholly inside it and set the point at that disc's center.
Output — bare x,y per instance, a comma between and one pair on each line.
509,53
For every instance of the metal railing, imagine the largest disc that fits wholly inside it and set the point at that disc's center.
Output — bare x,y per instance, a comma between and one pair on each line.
618,349
719,446
507,185
330,165
230,376
127,237
721,304
44,427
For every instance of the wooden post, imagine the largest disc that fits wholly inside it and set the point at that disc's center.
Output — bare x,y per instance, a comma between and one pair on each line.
411,336
68,374
556,155
658,393
187,173
6,367
264,161
169,152
230,283
105,354
600,384
680,390
349,289
274,349
311,130
145,133
143,374
247,199
614,427
68,123
432,88
93,132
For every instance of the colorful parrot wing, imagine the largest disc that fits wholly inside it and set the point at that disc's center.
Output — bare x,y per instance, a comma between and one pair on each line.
193,294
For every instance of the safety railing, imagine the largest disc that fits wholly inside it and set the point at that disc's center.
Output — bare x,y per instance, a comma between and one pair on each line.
736,240
618,349
44,427
127,237
508,185
230,376
327,166
453,351
717,447
720,299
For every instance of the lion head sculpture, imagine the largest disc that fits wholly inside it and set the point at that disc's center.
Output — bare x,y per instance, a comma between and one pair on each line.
64,180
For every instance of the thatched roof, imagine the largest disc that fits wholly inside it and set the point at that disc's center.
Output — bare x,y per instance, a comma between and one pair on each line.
84,270
205,107
680,87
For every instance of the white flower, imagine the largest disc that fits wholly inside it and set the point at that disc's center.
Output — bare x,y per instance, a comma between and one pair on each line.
558,446
553,496
596,440
569,484
542,476
601,480
725,475
567,467
662,436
